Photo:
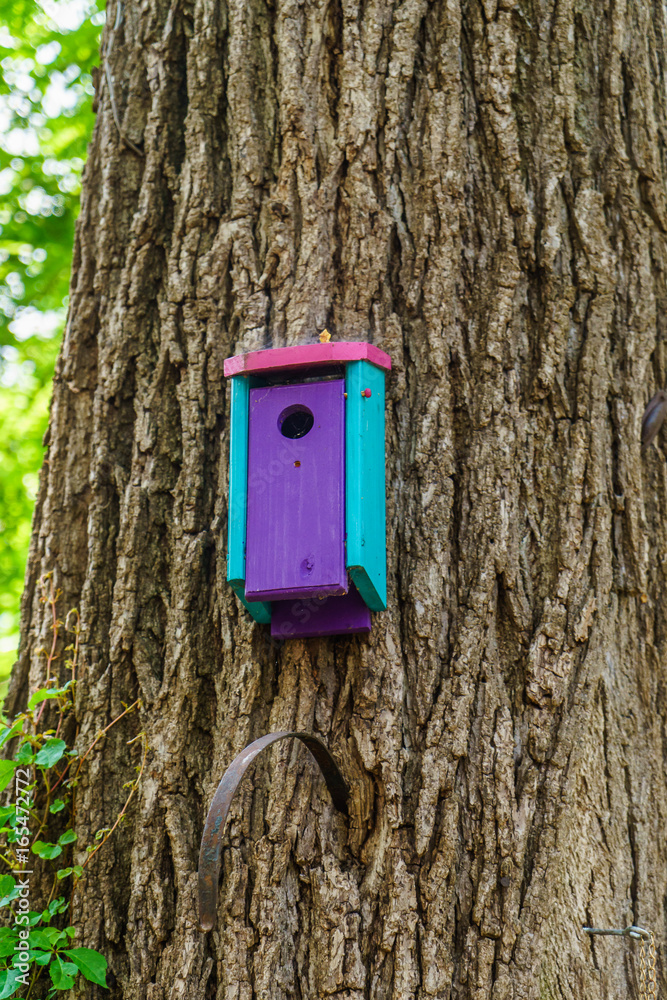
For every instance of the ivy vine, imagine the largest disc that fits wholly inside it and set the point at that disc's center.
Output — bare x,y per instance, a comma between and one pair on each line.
38,957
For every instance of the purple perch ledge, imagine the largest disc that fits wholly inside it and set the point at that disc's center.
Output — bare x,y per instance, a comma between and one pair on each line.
314,617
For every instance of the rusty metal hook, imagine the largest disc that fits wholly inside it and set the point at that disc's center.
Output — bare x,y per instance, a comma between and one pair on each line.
211,841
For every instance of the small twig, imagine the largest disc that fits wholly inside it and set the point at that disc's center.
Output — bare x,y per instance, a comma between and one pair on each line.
51,598
75,652
92,745
35,975
71,663
107,73
135,785
43,821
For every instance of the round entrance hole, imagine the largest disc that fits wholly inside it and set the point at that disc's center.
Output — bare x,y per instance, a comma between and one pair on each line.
295,421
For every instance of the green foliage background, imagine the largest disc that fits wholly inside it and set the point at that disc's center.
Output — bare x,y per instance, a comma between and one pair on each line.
47,50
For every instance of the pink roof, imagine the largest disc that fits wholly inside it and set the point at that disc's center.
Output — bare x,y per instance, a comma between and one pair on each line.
306,356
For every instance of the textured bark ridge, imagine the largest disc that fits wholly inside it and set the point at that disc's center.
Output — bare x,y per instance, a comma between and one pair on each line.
477,187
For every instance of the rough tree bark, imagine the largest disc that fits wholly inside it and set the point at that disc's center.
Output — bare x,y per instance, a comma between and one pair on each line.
477,187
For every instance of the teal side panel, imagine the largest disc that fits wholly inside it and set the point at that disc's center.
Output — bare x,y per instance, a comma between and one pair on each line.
238,482
238,498
365,516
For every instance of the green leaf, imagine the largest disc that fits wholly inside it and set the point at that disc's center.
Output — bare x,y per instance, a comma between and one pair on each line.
25,754
38,939
45,693
7,883
44,937
11,890
90,963
50,753
66,872
57,806
9,983
8,939
58,905
68,837
42,694
7,768
9,731
41,957
46,850
62,973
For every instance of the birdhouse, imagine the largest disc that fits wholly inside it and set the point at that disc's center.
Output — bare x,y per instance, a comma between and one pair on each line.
306,538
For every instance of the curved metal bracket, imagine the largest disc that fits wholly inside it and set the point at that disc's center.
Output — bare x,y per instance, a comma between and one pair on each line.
211,841
654,416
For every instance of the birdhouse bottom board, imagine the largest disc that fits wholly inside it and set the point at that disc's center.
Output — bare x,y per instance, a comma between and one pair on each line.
320,616
295,541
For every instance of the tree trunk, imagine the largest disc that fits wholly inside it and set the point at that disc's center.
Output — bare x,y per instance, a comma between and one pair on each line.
478,188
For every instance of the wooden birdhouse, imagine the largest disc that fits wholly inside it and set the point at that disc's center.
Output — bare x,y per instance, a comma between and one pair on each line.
306,540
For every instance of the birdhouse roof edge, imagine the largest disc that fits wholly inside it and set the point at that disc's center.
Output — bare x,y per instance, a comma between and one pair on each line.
306,356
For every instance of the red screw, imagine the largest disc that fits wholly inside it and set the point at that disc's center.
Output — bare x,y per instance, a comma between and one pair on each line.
366,393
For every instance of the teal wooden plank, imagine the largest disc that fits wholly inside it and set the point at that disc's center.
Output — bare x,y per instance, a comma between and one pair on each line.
238,481
260,610
365,517
238,498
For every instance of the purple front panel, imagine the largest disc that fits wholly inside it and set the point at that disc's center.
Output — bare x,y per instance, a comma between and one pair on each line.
327,616
296,492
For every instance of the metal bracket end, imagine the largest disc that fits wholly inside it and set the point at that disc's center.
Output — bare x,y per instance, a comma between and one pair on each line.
632,931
